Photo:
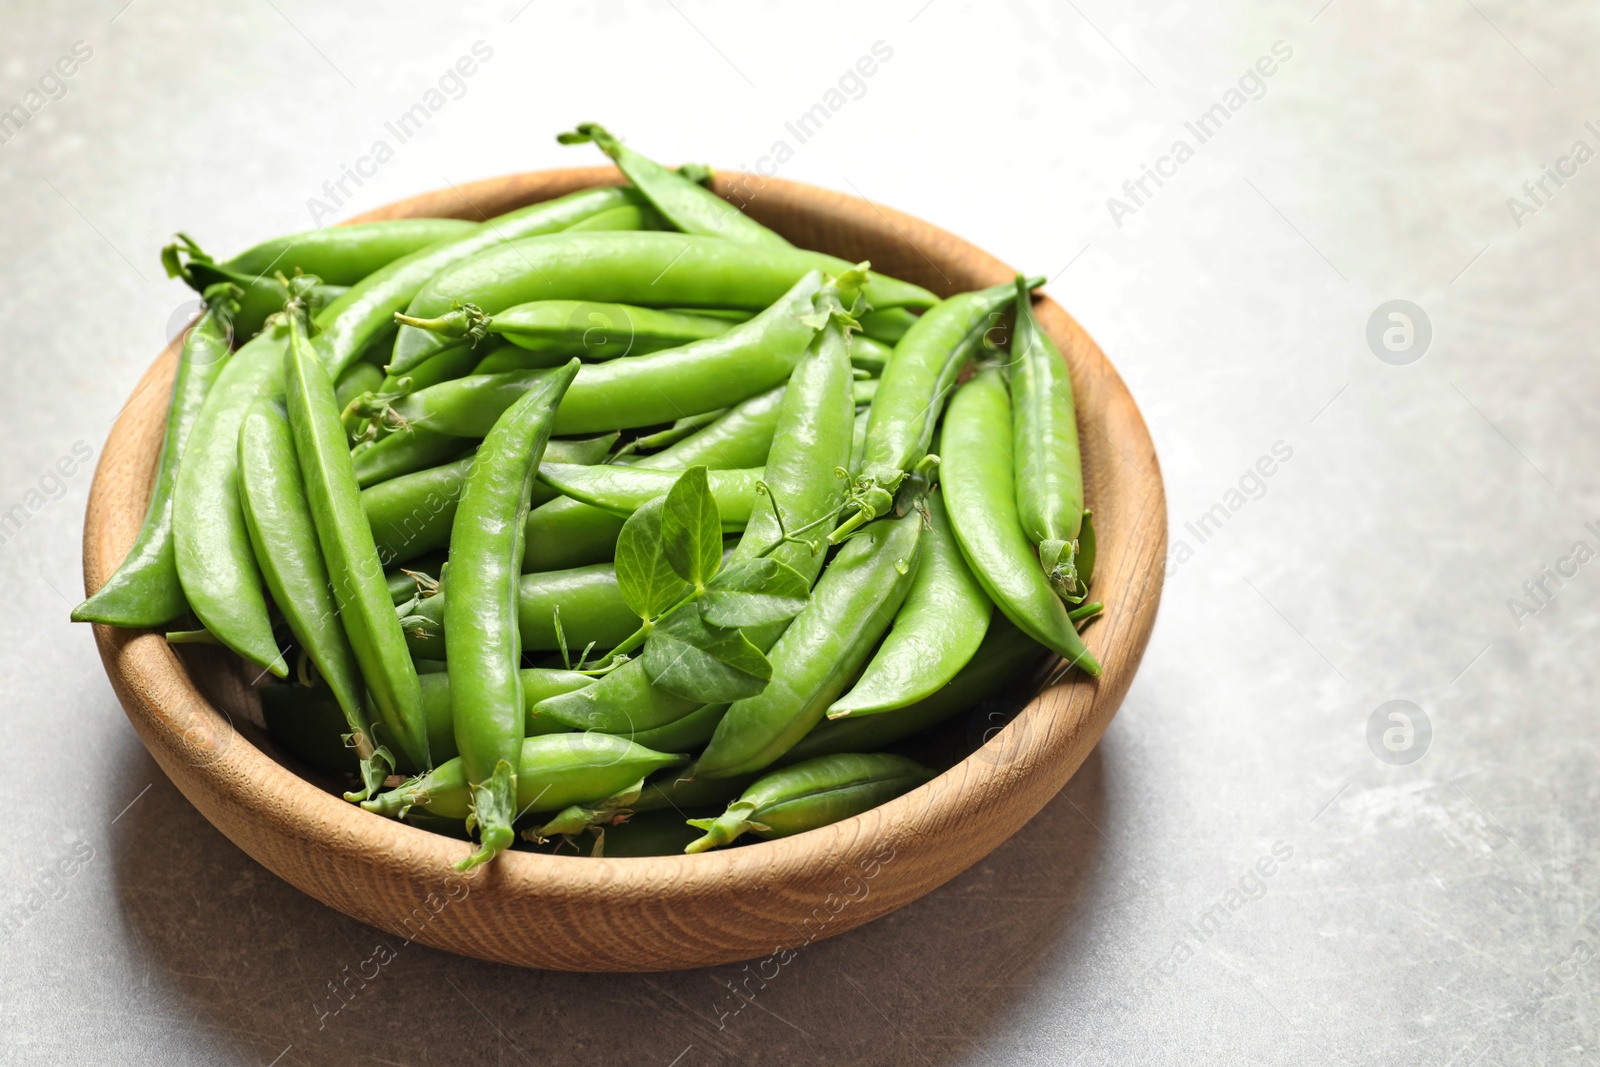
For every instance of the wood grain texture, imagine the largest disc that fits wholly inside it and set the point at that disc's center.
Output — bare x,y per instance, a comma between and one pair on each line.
572,913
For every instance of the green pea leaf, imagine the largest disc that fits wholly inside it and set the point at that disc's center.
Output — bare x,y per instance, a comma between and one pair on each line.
755,592
697,661
691,528
646,580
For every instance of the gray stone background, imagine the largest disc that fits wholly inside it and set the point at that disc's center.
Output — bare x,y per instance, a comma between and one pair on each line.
1440,912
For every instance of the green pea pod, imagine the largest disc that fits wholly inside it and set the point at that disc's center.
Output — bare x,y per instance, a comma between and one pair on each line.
343,255
685,734
869,355
211,544
554,771
631,217
1005,663
591,609
359,589
650,269
624,490
810,795
145,590
935,634
887,325
448,365
482,635
634,391
810,446
980,490
915,384
412,449
1048,464
821,651
412,514
357,379
688,206
262,295
566,328
348,325
537,685
568,533
285,539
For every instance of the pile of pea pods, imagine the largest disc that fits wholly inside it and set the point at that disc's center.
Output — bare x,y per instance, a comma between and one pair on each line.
614,524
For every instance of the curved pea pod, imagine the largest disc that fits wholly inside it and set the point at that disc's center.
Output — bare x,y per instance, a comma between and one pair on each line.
887,325
980,492
632,217
569,533
869,355
359,589
634,391
366,313
1008,660
627,705
685,734
211,545
1045,450
412,513
812,794
482,633
667,270
413,449
358,378
261,295
343,255
554,771
822,649
537,684
284,536
935,633
566,328
584,601
689,206
912,392
145,590
624,490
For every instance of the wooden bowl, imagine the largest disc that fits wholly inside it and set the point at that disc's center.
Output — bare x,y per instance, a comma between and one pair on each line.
571,913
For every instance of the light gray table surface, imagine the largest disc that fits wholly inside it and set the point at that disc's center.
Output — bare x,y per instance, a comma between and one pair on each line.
1442,911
